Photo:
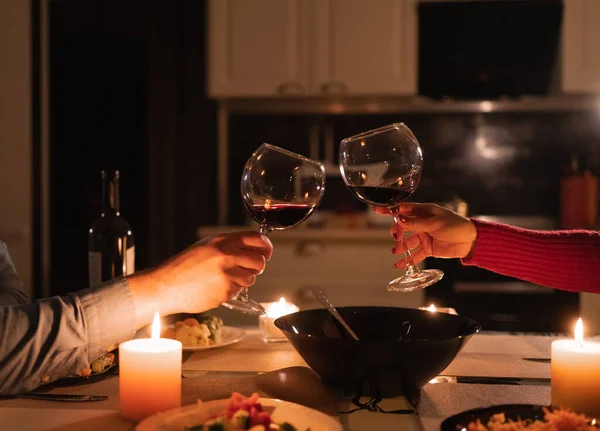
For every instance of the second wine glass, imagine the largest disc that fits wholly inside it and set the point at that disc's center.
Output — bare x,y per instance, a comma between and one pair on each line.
382,167
280,189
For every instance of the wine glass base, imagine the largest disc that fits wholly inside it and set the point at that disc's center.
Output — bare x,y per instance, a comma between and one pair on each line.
248,306
415,281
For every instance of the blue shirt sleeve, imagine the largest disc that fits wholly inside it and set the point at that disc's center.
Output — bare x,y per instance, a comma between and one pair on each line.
11,289
59,336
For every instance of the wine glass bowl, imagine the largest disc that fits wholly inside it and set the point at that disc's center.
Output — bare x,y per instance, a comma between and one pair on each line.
383,167
280,189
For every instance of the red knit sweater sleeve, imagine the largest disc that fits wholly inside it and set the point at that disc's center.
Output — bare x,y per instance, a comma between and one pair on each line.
567,260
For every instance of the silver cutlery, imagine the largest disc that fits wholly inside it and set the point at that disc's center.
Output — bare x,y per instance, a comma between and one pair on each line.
485,380
322,298
62,397
185,374
540,360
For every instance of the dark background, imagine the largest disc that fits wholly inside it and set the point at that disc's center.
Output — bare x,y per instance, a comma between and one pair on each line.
127,82
128,91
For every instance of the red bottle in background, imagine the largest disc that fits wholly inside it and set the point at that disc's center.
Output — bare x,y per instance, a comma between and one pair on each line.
578,198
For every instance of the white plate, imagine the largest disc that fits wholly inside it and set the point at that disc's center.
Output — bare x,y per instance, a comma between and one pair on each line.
299,416
229,335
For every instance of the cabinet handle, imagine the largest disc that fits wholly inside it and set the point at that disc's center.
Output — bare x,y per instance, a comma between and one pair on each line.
334,87
309,248
290,88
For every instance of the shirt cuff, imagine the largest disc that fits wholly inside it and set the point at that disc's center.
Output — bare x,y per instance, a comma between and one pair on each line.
109,315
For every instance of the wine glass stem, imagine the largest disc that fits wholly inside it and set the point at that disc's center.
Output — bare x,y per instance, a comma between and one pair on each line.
243,295
411,269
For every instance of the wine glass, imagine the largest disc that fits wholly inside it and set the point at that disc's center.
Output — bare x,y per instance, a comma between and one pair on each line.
383,167
280,189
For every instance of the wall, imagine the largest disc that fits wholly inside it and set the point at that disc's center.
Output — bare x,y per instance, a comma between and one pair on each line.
15,135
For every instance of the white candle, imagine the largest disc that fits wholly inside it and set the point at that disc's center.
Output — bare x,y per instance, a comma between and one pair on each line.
435,309
575,374
149,375
274,310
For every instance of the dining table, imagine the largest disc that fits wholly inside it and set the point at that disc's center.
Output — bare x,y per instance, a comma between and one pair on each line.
493,368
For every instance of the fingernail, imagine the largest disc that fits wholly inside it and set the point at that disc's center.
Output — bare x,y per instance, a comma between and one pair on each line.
394,250
403,219
395,265
395,236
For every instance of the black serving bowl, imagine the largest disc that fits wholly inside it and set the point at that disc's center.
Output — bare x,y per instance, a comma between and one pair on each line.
398,352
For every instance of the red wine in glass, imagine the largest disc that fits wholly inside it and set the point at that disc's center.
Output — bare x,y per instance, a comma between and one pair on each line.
382,196
280,189
382,167
279,216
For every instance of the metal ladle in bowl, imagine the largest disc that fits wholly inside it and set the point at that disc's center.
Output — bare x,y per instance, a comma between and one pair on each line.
322,298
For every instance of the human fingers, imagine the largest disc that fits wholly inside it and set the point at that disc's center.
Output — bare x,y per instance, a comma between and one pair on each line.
252,240
427,224
417,209
396,232
382,210
250,259
240,276
412,241
417,256
233,290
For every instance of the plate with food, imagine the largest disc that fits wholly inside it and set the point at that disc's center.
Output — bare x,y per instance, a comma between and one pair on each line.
102,367
241,413
203,334
519,417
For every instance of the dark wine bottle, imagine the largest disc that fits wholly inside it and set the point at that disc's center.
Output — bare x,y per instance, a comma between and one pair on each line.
111,247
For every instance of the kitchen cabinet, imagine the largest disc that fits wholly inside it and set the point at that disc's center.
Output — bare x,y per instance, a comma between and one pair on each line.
353,266
257,47
270,48
365,48
580,41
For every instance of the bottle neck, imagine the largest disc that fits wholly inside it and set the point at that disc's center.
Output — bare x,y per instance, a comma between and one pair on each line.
110,193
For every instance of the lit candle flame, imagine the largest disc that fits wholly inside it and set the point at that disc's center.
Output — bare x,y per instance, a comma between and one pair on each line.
156,327
280,308
431,308
579,331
